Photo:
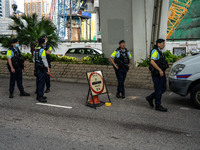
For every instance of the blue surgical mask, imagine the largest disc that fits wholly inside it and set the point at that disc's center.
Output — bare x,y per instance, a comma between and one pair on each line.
17,45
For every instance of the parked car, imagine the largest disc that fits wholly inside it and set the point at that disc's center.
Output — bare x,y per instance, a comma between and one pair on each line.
3,53
184,78
82,52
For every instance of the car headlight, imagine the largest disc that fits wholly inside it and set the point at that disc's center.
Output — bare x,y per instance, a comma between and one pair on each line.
176,69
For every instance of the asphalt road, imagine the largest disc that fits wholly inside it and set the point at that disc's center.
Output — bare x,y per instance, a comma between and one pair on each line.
129,124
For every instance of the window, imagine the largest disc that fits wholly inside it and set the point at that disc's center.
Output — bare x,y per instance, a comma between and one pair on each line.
179,51
81,51
90,52
71,51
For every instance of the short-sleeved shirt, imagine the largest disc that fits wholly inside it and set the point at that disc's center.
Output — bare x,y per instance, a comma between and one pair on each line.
49,48
116,54
42,52
10,53
155,55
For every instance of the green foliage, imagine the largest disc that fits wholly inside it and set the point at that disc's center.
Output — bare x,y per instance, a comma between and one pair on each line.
5,41
30,28
3,57
96,60
171,58
28,57
144,63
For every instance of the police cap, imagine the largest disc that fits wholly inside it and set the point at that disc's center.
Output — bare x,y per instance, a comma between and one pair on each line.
160,41
41,41
14,41
122,41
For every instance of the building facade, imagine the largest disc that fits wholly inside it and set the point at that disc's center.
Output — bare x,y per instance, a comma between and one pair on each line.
40,7
138,22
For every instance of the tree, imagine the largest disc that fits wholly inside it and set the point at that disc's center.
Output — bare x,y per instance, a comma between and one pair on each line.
30,28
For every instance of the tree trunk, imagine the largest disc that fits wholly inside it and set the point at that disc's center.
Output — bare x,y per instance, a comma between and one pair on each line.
32,46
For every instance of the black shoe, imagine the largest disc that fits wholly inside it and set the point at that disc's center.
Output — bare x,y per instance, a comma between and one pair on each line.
47,91
11,95
36,92
24,94
160,108
41,99
118,95
123,95
150,101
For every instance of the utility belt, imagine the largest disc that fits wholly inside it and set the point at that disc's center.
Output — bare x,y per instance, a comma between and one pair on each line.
16,63
162,65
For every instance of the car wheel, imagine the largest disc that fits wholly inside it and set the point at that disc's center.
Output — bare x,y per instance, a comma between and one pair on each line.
195,96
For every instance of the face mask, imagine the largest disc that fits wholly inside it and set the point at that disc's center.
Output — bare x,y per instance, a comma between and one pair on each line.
17,45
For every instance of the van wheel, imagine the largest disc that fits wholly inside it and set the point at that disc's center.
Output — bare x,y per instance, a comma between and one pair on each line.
195,96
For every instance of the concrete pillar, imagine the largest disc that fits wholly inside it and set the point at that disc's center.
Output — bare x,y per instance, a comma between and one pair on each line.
139,30
164,20
116,24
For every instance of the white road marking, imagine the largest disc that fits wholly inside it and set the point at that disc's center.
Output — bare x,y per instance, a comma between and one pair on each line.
184,108
170,93
51,105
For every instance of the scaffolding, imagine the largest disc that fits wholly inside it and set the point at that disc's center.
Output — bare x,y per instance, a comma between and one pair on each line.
176,13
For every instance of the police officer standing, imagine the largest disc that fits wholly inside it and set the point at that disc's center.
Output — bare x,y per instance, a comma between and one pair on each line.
158,65
41,69
121,59
15,66
48,50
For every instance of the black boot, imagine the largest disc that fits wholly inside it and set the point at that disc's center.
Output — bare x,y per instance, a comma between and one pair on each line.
118,95
41,99
150,101
11,95
161,108
47,90
22,93
123,95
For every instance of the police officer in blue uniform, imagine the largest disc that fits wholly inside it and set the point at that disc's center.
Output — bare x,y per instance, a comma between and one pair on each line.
121,59
41,70
48,50
158,65
15,66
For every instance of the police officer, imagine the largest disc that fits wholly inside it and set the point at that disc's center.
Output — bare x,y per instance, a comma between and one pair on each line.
41,69
48,50
15,66
158,65
121,59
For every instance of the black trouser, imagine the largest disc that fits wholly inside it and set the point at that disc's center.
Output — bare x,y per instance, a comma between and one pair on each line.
18,77
121,76
47,80
40,81
159,87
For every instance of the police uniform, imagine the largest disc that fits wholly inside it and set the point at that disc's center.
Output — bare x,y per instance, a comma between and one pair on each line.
18,64
159,82
121,59
40,72
47,79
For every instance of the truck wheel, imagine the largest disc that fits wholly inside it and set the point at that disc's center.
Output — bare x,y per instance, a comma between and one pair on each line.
195,96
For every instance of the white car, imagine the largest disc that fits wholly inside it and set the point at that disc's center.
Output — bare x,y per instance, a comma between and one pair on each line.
81,52
184,78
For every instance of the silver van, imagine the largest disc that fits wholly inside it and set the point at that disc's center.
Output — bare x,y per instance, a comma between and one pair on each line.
184,78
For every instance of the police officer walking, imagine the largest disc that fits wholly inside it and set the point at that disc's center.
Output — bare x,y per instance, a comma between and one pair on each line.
158,65
15,67
48,50
121,59
41,69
